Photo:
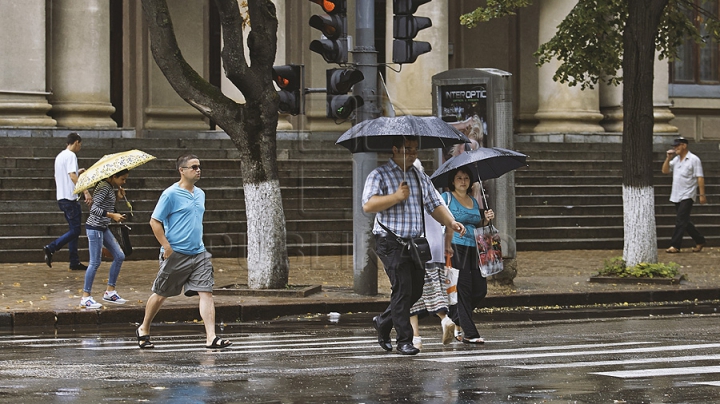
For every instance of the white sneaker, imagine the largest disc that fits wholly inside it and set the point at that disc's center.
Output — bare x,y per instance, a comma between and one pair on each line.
417,342
448,330
113,297
89,303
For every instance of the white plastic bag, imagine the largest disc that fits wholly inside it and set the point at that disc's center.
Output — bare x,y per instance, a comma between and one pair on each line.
451,279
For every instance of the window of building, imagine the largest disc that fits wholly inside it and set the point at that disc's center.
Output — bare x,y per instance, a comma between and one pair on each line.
698,64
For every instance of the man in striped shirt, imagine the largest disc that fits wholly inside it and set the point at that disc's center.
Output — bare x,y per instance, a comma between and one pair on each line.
393,191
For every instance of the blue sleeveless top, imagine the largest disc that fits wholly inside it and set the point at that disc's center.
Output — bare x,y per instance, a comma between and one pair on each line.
470,218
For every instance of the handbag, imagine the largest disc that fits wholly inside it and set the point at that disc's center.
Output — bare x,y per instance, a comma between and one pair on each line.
122,235
451,280
489,250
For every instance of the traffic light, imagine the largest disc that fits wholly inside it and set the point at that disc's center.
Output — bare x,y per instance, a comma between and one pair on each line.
333,47
291,82
405,29
339,82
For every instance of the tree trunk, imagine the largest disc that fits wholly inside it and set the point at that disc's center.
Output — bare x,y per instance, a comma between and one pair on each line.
637,149
251,126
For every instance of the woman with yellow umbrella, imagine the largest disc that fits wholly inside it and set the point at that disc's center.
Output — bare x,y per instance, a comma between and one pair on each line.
109,173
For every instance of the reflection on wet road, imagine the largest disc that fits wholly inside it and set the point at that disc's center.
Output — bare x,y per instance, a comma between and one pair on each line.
672,359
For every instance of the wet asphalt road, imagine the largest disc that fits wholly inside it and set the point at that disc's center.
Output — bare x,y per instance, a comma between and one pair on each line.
309,360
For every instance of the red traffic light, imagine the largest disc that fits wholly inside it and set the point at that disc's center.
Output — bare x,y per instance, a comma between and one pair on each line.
332,6
332,26
290,80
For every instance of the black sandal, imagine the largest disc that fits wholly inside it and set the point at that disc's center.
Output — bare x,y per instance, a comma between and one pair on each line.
144,340
219,343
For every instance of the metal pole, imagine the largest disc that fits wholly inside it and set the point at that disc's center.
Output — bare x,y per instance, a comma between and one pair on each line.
365,271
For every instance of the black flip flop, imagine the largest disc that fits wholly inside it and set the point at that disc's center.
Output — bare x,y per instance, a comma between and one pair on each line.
219,343
144,340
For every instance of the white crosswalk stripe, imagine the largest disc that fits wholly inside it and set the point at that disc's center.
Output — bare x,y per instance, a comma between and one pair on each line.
620,360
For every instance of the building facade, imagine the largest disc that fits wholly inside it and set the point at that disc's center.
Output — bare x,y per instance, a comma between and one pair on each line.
83,64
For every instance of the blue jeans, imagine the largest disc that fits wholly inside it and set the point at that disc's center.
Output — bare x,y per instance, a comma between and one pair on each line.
72,212
96,240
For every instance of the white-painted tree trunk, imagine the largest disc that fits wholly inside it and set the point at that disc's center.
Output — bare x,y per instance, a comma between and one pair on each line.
266,236
640,233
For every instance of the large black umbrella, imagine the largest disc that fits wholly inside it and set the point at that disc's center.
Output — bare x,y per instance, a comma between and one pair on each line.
376,135
484,163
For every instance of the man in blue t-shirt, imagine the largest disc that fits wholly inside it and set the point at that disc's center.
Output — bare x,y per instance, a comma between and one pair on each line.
184,263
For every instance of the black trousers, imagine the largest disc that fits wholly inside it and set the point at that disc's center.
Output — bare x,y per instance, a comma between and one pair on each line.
471,289
406,280
683,224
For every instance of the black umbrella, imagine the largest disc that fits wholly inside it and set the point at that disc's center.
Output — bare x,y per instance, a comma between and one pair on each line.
484,163
376,135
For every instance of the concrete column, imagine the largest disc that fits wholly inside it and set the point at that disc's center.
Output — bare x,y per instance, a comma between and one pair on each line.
81,64
611,106
23,89
411,89
661,99
165,109
562,108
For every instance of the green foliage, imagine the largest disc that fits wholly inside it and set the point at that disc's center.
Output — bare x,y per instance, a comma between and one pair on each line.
494,9
616,267
589,41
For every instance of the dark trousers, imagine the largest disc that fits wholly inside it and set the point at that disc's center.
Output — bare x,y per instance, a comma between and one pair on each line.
683,224
73,212
471,288
406,280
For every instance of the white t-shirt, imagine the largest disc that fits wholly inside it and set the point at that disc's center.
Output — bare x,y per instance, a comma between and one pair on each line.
65,163
685,175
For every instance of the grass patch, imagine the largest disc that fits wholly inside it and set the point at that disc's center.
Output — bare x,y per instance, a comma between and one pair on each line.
616,267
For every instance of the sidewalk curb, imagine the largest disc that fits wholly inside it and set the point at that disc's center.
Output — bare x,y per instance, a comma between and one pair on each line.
259,312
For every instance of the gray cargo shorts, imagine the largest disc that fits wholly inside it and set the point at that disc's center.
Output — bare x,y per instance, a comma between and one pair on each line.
194,273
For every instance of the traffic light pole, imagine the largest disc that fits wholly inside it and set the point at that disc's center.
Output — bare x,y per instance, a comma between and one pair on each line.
365,270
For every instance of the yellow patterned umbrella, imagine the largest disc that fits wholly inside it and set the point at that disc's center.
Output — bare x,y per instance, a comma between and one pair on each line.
111,164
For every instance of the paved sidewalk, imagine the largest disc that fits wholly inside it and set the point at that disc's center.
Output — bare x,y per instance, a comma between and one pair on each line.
32,294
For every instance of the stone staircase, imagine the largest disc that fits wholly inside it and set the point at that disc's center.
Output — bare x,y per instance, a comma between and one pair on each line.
570,196
315,180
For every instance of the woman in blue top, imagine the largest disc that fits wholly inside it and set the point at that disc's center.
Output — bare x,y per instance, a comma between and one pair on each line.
471,286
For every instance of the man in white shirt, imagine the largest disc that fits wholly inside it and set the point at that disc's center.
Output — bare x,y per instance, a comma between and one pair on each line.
688,178
66,176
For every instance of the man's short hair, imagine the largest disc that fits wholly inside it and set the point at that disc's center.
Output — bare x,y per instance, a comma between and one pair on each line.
73,137
182,160
679,141
399,141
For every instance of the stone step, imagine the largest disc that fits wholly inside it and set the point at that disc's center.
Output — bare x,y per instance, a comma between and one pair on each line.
34,227
224,193
169,164
60,258
581,200
143,181
585,221
573,232
596,243
610,210
302,204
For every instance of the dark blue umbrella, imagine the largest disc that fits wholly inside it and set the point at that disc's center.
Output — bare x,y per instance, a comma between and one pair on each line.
376,135
484,163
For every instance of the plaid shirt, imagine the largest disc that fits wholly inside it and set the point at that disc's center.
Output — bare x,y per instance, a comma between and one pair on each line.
404,219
